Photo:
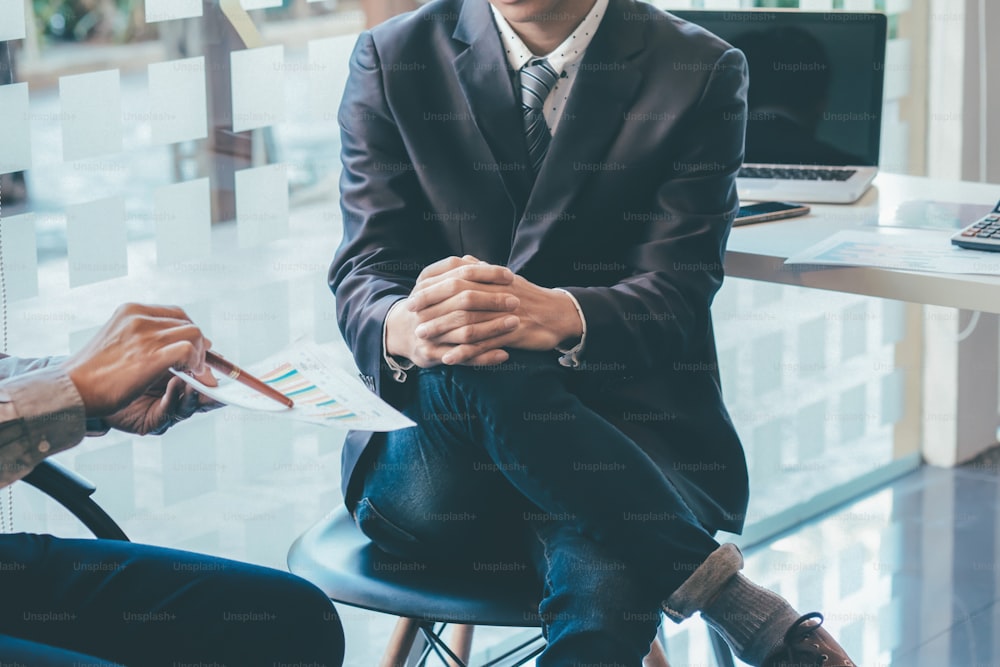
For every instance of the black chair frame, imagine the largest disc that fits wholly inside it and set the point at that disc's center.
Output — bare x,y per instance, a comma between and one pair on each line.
74,493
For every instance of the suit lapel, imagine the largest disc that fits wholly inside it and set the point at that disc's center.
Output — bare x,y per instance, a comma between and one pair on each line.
604,87
484,76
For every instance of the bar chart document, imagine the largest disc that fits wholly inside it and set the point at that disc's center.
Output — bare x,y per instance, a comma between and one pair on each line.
905,250
324,392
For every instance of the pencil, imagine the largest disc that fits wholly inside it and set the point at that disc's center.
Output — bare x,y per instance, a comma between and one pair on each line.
236,373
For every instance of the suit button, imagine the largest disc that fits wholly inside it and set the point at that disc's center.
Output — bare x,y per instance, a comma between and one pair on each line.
44,446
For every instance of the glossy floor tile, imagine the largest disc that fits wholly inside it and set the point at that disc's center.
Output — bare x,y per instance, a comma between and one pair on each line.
907,576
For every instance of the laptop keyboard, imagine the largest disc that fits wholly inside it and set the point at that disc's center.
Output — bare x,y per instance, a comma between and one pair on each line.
797,173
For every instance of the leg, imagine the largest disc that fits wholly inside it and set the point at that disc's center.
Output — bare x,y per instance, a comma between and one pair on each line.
421,496
461,641
136,604
401,643
554,451
436,498
21,652
595,604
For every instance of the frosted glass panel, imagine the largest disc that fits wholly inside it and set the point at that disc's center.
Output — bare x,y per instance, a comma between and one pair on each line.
91,114
815,5
12,24
263,318
897,69
183,222
259,4
262,204
178,109
327,75
167,10
258,87
859,5
95,235
20,256
15,140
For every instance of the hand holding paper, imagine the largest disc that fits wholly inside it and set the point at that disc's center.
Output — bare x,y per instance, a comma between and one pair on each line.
323,392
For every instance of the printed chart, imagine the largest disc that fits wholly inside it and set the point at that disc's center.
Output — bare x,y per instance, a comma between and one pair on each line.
324,393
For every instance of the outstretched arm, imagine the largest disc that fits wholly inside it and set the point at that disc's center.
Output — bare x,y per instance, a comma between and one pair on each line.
120,375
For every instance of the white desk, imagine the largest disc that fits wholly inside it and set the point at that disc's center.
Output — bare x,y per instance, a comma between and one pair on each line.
959,373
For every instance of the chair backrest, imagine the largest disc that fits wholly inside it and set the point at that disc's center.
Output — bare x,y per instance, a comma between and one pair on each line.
74,493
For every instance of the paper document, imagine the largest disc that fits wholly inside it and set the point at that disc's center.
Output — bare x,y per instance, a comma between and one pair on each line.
324,393
906,250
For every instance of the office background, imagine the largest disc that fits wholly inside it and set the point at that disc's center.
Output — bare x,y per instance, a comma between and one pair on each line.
149,156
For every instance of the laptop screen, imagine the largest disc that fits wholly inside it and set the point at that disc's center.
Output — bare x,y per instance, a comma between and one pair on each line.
815,83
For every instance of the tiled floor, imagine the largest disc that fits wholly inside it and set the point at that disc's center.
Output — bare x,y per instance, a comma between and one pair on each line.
907,576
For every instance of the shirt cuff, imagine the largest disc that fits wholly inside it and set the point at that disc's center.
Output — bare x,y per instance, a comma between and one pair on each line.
571,356
50,418
398,365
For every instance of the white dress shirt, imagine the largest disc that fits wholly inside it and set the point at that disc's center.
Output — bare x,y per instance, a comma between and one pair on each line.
565,59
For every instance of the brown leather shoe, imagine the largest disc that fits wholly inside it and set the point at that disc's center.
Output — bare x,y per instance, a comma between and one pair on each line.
806,644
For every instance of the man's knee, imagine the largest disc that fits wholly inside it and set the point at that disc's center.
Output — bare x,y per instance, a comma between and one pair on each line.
526,380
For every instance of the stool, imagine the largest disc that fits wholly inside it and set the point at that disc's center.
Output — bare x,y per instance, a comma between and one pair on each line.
338,558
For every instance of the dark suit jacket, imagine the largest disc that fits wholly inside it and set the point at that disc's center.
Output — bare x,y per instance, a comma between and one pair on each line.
630,212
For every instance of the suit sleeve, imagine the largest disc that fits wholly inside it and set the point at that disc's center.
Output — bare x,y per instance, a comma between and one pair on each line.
661,312
41,413
387,241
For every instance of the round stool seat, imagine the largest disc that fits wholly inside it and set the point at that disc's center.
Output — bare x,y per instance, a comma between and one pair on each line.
338,558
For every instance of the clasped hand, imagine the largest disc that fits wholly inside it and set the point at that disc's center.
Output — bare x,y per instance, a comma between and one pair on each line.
464,311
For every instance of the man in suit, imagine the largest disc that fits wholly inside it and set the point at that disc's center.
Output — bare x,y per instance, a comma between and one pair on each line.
536,199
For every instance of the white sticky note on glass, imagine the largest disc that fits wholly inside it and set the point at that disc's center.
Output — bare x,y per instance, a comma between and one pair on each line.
329,65
815,5
262,204
95,235
12,24
264,321
91,114
15,132
178,110
258,78
20,256
183,214
168,10
259,4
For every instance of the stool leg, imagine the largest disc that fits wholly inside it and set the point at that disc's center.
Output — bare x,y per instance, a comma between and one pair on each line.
461,644
656,657
401,643
723,654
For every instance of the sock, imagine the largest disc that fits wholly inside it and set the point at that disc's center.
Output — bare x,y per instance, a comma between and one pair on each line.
753,619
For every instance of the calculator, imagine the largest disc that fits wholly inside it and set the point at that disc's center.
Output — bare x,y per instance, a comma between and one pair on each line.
983,234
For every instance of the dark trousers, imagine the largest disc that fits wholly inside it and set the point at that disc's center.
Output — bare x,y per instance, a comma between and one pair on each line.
75,603
506,461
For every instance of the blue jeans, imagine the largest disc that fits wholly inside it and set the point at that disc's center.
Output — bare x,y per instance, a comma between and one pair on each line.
508,464
72,603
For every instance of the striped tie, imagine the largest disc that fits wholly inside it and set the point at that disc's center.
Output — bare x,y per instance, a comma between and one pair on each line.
537,79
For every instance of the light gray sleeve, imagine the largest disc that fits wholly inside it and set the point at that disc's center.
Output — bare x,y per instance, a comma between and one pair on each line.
41,413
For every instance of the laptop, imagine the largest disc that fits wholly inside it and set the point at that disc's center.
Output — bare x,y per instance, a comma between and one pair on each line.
815,100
